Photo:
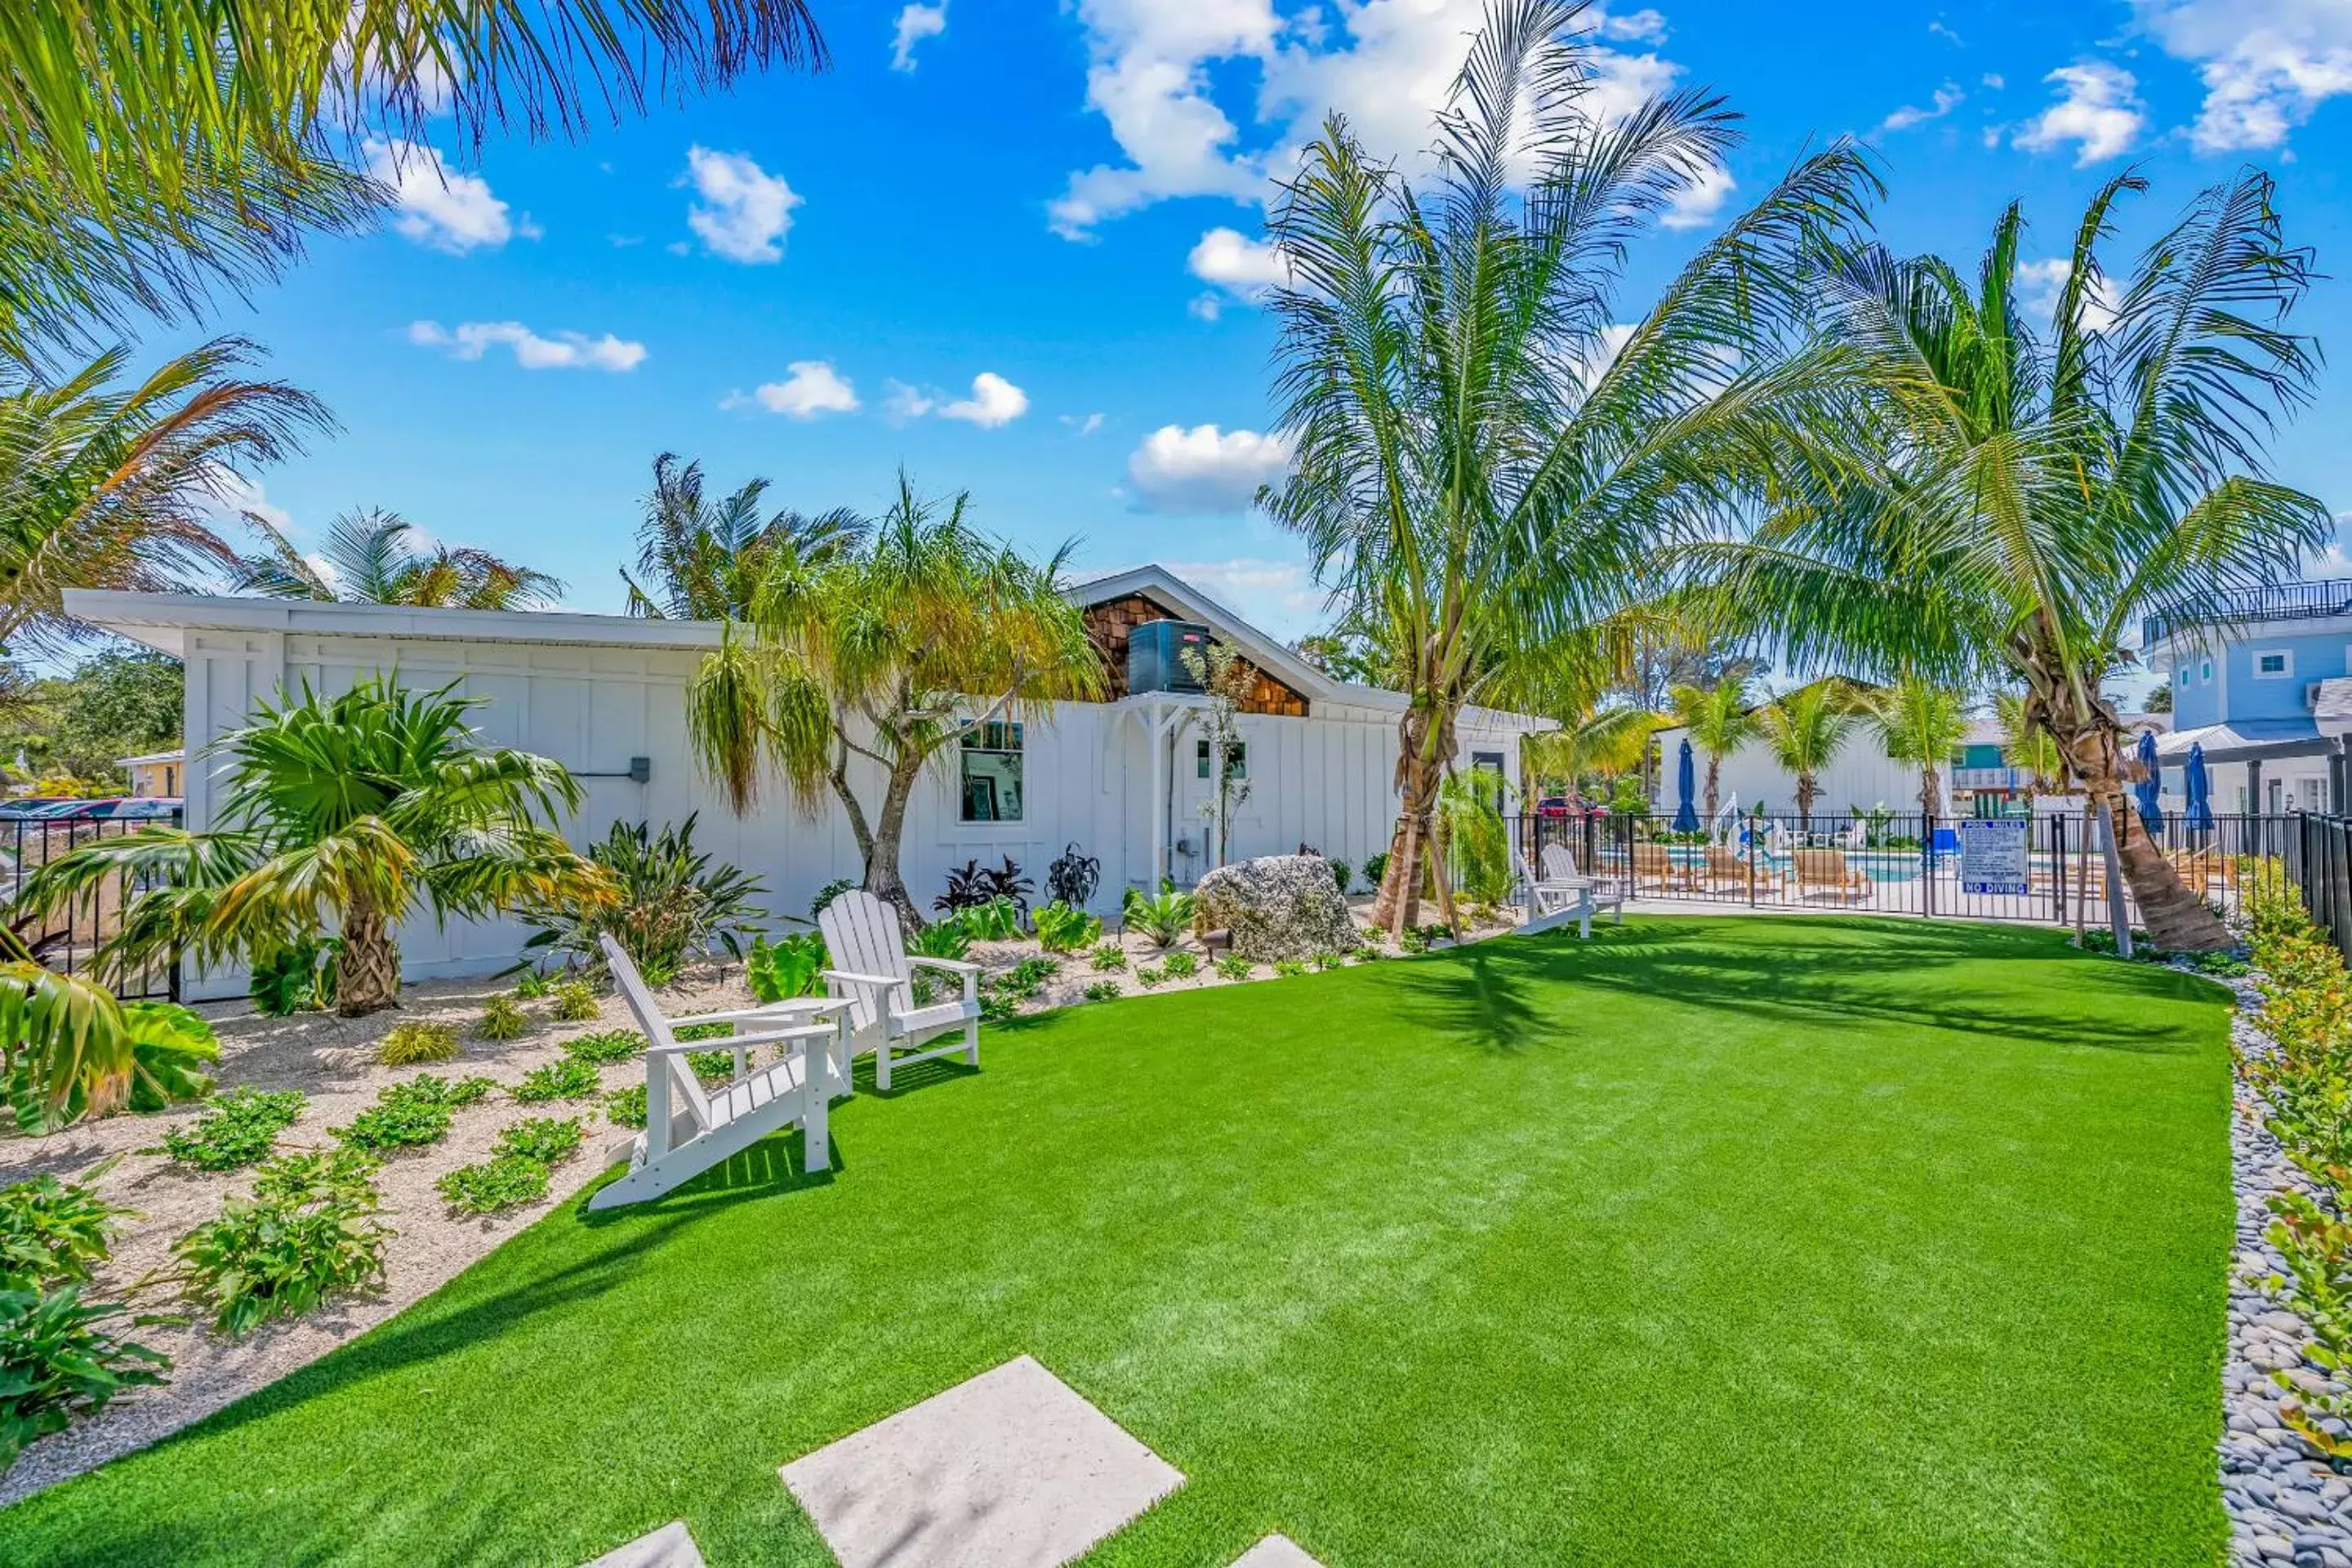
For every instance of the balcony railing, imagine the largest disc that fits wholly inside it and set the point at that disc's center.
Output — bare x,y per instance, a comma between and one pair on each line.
1989,778
2238,606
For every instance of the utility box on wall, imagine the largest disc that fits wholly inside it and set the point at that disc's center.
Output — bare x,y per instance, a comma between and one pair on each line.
1155,656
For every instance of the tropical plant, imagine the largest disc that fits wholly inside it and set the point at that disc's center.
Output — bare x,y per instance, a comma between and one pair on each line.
108,486
606,1045
1063,929
626,1106
1071,877
975,885
712,560
890,655
1470,826
58,1361
576,1001
2004,505
1102,991
671,902
291,978
1486,460
369,558
417,1040
941,938
1232,966
1375,867
502,1020
826,894
308,1233
412,1113
149,154
2025,747
493,1186
996,918
365,808
1922,724
68,1049
1341,874
569,1078
792,965
549,1140
1180,965
1163,917
1151,976
1719,720
1289,968
1107,955
237,1128
1805,730
52,1231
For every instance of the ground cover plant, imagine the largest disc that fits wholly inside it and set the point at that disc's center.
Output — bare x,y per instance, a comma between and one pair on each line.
569,1078
239,1128
412,1113
308,1233
1741,1243
607,1046
576,1002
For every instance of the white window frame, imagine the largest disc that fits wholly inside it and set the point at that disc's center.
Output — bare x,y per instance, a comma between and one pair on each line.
2205,673
2285,671
1018,733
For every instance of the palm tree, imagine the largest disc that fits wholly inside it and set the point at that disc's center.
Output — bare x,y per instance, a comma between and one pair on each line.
881,659
705,562
1473,470
150,151
368,558
2026,748
1719,720
104,486
2034,494
1805,730
358,811
1921,724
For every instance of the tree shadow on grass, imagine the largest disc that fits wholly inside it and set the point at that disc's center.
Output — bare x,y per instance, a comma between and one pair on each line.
1822,971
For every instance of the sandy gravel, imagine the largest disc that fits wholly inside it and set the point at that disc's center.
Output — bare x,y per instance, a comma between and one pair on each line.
331,1061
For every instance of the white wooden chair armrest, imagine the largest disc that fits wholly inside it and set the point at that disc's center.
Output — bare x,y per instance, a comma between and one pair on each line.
825,1031
952,965
848,979
768,1011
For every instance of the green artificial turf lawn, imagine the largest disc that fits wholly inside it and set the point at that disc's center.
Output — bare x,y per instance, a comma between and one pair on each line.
1739,1241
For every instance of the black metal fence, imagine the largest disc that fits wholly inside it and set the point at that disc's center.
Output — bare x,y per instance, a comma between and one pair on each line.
68,939
2318,860
1910,864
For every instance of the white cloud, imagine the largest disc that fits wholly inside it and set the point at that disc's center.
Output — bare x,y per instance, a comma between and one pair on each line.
1204,470
813,387
1995,80
565,350
994,401
1237,263
2041,283
1082,424
1938,30
1947,98
434,206
2267,64
900,401
2098,110
744,212
1644,27
916,23
228,496
1700,203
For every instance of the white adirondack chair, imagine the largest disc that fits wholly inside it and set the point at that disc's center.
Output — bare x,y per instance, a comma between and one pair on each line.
871,971
1559,866
689,1130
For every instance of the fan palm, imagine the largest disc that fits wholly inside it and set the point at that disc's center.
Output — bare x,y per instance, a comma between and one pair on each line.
368,558
150,149
1719,720
1805,730
360,810
105,486
1921,724
1474,468
880,659
2037,493
705,561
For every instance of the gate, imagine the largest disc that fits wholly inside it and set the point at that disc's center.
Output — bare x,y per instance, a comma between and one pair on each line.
68,939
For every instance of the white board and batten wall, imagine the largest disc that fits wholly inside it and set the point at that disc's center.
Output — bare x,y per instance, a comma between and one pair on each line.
593,692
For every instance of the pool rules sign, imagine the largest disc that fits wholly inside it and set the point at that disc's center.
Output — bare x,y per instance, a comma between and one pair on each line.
1992,855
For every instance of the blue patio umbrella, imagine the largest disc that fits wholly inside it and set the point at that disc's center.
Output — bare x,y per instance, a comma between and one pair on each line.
2200,790
1685,781
2150,812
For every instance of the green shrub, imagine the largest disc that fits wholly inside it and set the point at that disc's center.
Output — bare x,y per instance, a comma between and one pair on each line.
309,1233
826,894
237,1130
411,1114
1180,965
1289,966
418,1041
999,1007
949,938
1340,874
626,1106
1327,960
2317,1247
288,979
503,1019
1104,991
1412,942
1106,956
54,1232
170,1048
702,1031
607,1046
787,967
1232,966
712,1066
1375,867
670,904
58,1361
1032,972
1061,929
534,984
1149,976
991,920
569,1078
508,1182
576,1003
1163,919
550,1140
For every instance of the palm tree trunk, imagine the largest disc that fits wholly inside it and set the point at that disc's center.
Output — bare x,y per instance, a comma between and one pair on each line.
2176,920
1714,772
1807,789
367,969
1397,904
1931,794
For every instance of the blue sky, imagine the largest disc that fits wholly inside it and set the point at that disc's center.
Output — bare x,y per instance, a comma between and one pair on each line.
1001,266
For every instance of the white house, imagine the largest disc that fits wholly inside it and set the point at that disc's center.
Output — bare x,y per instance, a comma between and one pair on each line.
1125,778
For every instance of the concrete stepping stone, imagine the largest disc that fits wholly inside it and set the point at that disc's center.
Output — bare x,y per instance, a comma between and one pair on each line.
669,1547
1011,1470
1275,1551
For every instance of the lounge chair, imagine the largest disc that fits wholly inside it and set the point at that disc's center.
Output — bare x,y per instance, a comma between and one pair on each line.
1724,865
1655,863
863,938
689,1130
1827,871
1559,866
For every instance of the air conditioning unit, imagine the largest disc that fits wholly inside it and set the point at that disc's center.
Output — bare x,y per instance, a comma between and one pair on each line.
1155,656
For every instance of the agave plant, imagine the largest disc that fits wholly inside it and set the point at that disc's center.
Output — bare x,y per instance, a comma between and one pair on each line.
362,810
671,902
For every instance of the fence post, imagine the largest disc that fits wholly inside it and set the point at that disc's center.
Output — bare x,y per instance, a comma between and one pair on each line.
2057,866
1928,864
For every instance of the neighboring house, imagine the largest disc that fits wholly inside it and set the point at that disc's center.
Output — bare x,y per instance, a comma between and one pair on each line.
1123,779
155,776
2262,679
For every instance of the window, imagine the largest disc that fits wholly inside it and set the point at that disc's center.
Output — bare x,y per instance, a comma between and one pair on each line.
2274,663
2184,674
1491,764
1236,760
2205,673
992,773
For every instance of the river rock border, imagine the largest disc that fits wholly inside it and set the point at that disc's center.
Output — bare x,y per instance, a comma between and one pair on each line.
2287,1508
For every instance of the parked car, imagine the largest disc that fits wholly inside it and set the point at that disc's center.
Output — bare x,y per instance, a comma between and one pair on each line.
1552,805
40,810
111,808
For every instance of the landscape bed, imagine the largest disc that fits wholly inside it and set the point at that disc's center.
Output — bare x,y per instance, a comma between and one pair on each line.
1751,1240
